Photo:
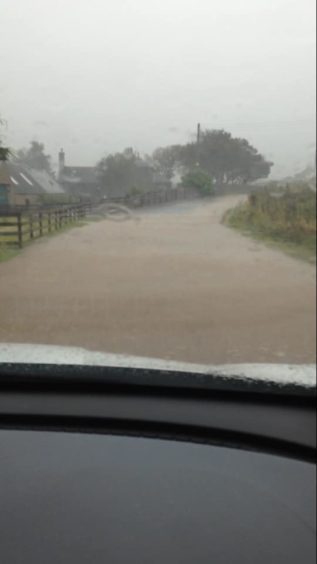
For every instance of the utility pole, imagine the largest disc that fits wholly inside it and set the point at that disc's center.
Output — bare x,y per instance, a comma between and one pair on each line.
198,143
198,133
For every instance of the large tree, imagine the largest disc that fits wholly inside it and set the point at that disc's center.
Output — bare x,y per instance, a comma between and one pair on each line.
225,158
34,156
123,173
167,159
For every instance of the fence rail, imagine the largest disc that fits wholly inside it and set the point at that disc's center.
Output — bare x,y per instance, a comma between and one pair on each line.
19,227
153,198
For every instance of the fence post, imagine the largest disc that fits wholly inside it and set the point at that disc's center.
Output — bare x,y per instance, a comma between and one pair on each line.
41,224
49,218
20,233
31,226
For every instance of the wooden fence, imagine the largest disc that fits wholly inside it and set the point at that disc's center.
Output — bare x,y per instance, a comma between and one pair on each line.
153,198
19,227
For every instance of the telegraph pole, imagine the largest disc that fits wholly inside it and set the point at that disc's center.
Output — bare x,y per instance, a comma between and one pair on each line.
198,133
198,143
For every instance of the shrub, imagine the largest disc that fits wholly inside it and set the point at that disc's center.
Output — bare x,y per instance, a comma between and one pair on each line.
135,191
200,180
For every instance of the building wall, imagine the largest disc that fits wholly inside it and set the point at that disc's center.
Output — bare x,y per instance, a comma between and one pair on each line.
4,194
11,196
80,188
25,199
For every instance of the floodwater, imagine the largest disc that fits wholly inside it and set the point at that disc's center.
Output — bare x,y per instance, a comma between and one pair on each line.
171,282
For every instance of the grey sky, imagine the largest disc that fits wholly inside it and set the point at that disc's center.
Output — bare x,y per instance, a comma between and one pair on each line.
95,76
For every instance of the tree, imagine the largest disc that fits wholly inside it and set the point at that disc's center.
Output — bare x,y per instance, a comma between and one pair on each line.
122,173
35,157
225,158
4,151
167,159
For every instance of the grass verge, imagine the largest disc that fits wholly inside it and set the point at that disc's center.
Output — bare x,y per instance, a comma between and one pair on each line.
10,251
267,221
6,253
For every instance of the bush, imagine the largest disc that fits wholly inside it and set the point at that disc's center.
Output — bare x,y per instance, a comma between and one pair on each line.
135,191
200,180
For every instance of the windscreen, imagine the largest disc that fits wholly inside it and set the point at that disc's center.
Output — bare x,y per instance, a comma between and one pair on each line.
158,179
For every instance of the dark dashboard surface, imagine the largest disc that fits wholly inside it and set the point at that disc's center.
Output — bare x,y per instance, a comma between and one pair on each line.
84,498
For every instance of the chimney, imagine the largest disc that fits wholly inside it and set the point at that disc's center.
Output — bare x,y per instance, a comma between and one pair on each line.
61,162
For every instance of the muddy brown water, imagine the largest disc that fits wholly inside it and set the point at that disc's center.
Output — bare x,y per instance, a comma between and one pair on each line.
173,283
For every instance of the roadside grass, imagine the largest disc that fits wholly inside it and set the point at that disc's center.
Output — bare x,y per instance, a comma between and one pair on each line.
6,252
95,218
9,243
287,222
63,229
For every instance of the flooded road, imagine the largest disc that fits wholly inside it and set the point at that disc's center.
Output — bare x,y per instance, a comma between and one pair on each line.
172,283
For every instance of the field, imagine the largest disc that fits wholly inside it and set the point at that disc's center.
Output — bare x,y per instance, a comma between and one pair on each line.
285,218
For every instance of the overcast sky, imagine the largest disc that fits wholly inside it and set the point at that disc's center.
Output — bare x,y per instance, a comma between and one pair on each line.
96,76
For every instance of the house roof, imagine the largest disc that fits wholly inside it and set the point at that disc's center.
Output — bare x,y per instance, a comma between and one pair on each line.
79,174
25,180
46,181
